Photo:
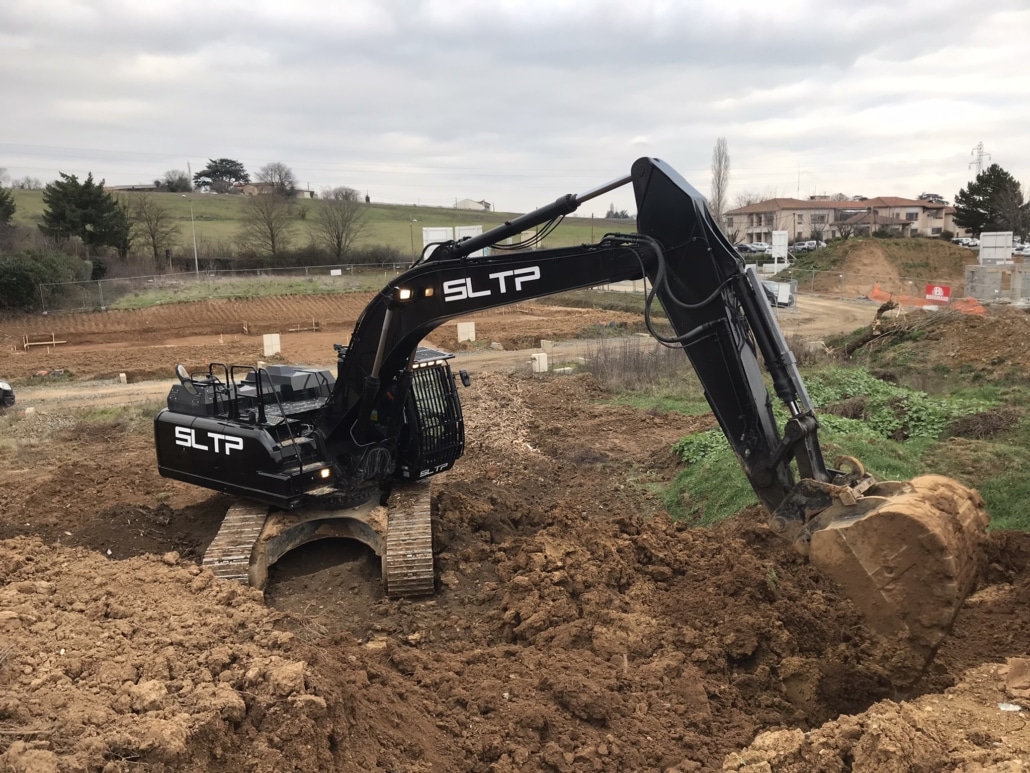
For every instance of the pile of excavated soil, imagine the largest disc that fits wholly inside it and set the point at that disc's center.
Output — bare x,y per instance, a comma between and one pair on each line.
993,346
576,628
898,266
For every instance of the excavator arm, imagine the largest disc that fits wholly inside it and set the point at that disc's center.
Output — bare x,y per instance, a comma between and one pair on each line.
716,308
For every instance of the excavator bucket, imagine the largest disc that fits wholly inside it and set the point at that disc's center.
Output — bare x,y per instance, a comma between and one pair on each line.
907,556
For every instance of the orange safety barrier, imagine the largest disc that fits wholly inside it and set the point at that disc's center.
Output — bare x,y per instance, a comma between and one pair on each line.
964,305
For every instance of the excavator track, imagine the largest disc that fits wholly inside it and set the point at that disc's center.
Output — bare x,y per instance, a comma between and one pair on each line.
230,552
253,537
408,565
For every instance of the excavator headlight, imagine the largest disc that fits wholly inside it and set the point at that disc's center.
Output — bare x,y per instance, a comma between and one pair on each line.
324,473
427,293
404,294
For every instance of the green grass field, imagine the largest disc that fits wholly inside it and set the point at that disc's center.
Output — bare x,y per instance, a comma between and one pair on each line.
218,221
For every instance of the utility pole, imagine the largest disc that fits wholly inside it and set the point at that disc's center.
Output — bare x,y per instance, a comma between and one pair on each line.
196,260
978,152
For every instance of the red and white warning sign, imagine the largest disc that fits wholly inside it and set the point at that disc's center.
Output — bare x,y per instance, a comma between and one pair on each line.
939,293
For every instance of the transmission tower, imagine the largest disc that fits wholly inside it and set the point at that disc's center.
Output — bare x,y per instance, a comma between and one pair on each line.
978,152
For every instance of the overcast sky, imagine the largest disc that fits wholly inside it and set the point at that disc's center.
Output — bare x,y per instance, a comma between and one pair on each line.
519,101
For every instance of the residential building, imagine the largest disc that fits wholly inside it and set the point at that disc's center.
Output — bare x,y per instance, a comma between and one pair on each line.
478,206
256,189
822,218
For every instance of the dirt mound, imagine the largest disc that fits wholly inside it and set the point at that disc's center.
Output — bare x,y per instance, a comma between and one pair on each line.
113,664
992,347
576,627
899,266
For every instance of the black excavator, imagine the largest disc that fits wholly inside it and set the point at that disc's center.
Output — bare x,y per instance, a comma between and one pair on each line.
313,454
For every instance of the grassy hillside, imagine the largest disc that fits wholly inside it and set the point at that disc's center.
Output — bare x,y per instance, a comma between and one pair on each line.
218,222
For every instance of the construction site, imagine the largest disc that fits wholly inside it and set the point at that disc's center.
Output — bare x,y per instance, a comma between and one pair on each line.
576,626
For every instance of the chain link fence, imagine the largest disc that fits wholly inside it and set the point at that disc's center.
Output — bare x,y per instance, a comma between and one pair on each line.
139,291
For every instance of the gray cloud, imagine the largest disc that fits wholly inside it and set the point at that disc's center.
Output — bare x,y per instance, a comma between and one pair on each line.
516,101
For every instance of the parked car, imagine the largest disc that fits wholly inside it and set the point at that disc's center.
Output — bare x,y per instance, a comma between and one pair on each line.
6,396
761,247
803,246
744,249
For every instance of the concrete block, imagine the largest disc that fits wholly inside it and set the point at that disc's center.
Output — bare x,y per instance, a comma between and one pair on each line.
546,345
466,331
273,345
122,378
540,363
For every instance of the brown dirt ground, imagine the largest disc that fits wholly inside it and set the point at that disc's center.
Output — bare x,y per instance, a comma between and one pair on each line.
576,627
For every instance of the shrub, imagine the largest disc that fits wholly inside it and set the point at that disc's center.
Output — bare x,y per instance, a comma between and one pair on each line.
22,273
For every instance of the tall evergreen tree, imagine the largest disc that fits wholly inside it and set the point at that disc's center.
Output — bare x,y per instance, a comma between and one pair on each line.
991,202
7,207
86,210
221,173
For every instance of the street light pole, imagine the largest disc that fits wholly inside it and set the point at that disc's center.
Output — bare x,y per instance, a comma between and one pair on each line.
193,225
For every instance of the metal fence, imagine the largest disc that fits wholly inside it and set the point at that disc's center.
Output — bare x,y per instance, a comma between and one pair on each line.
137,291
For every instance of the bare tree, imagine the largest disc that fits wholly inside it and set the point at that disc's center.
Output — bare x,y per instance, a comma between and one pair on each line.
339,220
4,177
266,222
845,229
152,223
720,179
28,184
747,198
279,175
177,181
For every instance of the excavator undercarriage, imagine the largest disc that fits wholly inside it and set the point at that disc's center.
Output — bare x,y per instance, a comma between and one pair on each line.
323,454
